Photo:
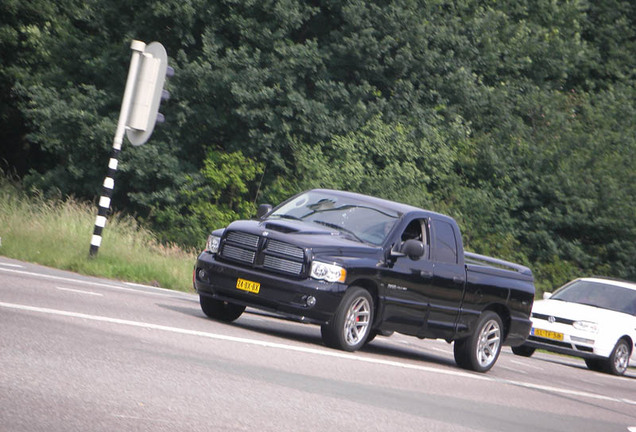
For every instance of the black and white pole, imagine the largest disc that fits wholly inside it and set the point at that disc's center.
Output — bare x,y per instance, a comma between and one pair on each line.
137,48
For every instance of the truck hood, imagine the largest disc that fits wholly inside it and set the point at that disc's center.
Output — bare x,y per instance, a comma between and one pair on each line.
321,240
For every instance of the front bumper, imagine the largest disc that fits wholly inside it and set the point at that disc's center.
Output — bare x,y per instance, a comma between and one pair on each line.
574,343
567,348
283,295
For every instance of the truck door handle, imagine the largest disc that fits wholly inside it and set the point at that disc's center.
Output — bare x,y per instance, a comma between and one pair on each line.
426,274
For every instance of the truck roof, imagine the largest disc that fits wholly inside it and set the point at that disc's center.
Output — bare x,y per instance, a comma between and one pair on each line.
380,202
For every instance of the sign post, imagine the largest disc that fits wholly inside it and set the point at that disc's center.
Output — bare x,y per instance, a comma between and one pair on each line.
137,117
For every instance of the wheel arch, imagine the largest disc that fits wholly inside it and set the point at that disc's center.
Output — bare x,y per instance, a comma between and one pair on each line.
504,314
372,287
630,342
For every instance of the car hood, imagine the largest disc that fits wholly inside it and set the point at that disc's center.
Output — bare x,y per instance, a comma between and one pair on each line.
577,312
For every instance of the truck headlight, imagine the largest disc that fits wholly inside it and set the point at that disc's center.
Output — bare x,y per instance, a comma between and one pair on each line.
328,272
586,326
212,245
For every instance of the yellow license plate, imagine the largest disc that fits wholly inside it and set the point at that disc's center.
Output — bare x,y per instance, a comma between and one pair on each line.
547,334
245,285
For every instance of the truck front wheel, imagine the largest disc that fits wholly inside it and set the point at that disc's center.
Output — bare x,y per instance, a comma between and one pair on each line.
351,324
219,309
479,352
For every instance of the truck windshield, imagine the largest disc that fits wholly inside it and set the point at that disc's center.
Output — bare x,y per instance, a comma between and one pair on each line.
357,219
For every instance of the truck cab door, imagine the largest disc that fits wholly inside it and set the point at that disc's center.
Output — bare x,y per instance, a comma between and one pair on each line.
406,282
449,279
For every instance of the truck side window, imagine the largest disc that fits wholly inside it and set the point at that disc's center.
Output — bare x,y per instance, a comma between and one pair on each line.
413,231
417,229
445,244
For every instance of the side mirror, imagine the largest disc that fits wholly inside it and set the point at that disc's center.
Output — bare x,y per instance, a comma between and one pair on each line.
547,295
263,210
413,249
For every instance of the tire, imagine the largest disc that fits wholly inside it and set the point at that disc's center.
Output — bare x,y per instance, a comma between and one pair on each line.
618,361
350,326
371,336
523,350
219,309
480,351
594,364
374,333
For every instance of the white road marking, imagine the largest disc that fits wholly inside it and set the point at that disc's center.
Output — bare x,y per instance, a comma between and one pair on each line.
315,351
79,291
11,265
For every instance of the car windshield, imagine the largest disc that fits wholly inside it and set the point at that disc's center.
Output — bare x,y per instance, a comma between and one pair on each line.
351,217
598,294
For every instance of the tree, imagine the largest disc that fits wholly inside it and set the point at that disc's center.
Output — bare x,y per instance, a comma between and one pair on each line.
223,191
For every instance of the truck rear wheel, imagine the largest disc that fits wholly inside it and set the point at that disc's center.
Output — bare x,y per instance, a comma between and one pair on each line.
350,326
479,352
219,309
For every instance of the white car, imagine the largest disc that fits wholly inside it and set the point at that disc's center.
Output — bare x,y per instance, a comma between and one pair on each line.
592,318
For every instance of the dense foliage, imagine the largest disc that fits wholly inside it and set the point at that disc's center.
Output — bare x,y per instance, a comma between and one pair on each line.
516,117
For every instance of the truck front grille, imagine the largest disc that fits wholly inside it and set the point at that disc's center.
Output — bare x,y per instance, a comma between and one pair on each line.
238,254
278,247
244,239
282,265
263,253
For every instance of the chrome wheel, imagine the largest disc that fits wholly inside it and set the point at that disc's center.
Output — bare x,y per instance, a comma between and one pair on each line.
350,326
619,360
480,350
622,355
357,322
489,343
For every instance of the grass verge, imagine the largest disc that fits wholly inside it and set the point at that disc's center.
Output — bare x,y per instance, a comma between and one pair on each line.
57,233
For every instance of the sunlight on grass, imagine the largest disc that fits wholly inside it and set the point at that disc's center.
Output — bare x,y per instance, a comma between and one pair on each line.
58,234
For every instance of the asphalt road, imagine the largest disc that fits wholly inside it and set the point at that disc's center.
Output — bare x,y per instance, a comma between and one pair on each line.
87,354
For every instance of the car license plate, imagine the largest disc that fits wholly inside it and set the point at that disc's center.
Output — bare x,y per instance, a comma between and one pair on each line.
547,334
245,285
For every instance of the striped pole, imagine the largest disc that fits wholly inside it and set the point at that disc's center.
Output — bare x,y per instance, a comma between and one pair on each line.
104,202
137,48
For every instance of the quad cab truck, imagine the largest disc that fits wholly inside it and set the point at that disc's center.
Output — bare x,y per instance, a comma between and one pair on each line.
361,266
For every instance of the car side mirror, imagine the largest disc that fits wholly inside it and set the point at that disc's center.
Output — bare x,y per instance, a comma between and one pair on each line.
413,249
547,295
263,210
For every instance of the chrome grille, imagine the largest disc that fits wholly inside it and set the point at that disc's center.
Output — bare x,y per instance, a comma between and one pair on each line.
239,254
262,252
243,238
284,249
283,265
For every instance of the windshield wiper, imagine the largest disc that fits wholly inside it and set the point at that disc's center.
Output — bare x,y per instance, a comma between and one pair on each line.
339,228
286,216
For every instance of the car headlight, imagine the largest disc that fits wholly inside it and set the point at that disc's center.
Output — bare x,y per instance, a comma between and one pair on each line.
328,272
212,245
587,326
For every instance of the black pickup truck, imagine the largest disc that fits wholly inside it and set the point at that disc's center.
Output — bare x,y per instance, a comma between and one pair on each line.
361,266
